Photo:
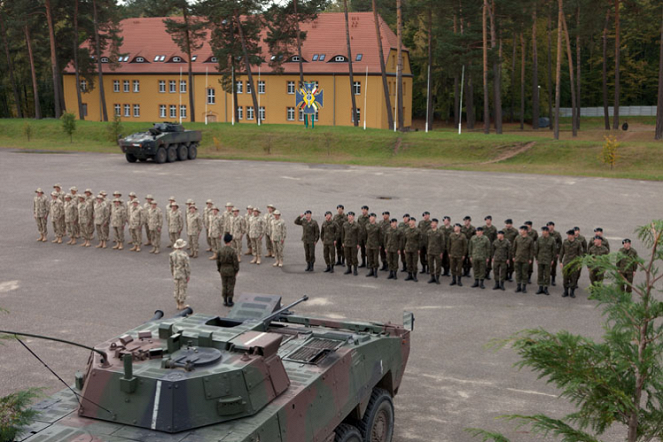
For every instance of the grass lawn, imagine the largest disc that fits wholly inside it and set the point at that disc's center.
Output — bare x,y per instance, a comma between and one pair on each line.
528,151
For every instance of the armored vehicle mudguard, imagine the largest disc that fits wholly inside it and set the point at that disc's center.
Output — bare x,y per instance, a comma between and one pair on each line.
165,142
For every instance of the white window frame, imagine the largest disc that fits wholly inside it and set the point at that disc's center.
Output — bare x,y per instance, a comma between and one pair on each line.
136,85
182,86
183,111
162,86
261,113
126,86
240,86
118,110
140,60
172,86
214,60
315,57
104,59
162,111
356,87
172,111
83,85
295,58
261,86
359,57
301,114
290,88
321,57
250,114
290,113
136,110
177,59
211,96
358,116
339,58
116,85
240,113
127,110
248,87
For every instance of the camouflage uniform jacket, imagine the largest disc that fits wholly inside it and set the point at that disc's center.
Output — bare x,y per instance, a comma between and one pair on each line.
310,229
533,234
71,211
490,232
179,265
40,207
108,211
56,210
146,212
279,231
155,219
598,250
328,232
175,221
544,249
269,217
435,241
226,261
501,250
570,251
256,227
118,216
384,227
216,226
412,239
558,241
194,223
227,221
207,215
605,243
339,220
480,247
60,196
628,262
403,227
99,212
522,249
393,239
468,231
583,243
362,220
239,227
424,227
130,205
85,212
457,245
373,236
510,234
350,234
136,217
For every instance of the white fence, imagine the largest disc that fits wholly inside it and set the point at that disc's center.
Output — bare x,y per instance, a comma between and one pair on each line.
624,111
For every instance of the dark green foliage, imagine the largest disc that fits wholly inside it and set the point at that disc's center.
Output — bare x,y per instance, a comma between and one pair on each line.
69,124
15,413
115,129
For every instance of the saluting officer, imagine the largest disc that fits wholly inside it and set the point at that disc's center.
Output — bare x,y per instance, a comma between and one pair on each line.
310,237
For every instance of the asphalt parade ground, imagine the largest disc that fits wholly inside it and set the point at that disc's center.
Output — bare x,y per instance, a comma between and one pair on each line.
452,381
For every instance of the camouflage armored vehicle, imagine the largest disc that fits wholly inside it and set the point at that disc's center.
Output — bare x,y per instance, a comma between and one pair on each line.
163,142
261,374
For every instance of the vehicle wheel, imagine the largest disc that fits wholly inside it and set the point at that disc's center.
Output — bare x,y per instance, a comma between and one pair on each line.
378,422
142,160
182,152
347,433
172,154
161,156
131,158
193,152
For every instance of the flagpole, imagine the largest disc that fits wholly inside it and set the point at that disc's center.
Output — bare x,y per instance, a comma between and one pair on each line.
232,93
427,99
258,110
180,94
206,92
365,93
460,108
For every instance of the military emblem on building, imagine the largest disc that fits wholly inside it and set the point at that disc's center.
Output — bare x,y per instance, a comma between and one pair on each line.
309,98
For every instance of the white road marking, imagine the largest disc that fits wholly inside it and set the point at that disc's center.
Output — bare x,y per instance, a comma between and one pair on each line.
291,178
8,286
155,411
318,301
531,392
254,339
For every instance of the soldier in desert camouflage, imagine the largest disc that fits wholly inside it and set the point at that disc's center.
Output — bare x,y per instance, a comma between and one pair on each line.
118,220
247,221
238,230
155,221
40,208
181,271
175,223
99,209
70,218
85,219
136,225
194,225
73,190
146,211
256,231
279,233
269,217
56,212
207,215
216,231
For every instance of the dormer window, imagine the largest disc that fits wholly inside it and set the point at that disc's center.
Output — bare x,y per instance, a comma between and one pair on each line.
214,60
322,57
194,58
140,60
339,58
359,57
315,57
295,58
177,59
156,58
104,59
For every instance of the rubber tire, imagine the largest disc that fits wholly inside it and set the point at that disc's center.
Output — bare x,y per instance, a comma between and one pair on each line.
182,152
172,153
347,433
193,152
131,157
380,410
161,156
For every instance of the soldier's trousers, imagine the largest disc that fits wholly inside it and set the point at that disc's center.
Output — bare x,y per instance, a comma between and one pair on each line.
277,247
228,286
155,239
479,266
249,244
237,245
87,231
627,287
362,246
71,229
268,243
553,269
543,274
58,228
340,252
467,265
106,229
595,275
42,226
510,268
446,262
256,247
434,264
383,257
411,260
328,252
173,236
456,263
148,234
423,255
309,252
351,256
209,239
392,260
100,232
570,277
522,272
373,258
214,244
193,242
77,229
136,236
403,258
489,266
180,290
500,271
119,234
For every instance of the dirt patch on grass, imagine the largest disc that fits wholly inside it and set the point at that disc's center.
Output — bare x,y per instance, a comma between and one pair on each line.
510,153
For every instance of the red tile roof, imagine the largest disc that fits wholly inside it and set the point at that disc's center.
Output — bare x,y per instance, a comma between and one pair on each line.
147,38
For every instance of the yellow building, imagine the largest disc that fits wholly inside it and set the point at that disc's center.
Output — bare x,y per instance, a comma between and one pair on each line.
147,85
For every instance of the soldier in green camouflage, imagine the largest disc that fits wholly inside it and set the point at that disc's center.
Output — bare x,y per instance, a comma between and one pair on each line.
599,232
373,244
227,265
340,219
40,210
181,271
490,232
597,249
532,233
310,237
571,249
585,246
412,249
404,226
500,259
435,248
510,234
558,245
392,245
469,231
384,225
328,236
457,247
350,239
424,227
447,230
545,249
362,220
523,253
479,252
627,264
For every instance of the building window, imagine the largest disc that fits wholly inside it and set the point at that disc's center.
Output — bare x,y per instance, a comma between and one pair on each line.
356,87
83,85
261,113
162,111
116,85
248,87
118,110
295,58
290,112
127,110
249,112
214,60
339,58
125,85
162,86
140,60
315,57
358,116
211,96
84,106
136,86
136,110
240,87
172,86
359,57
301,114
183,87
104,59
173,111
240,112
291,87
194,58
182,111
177,59
322,57
261,87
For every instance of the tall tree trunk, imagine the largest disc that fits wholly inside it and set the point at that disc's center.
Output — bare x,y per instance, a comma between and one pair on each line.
615,118
185,17
574,120
513,77
81,115
522,81
606,111
299,47
383,68
54,60
10,68
429,97
247,65
355,120
558,71
233,67
486,100
550,72
33,73
497,64
469,104
535,75
659,108
102,95
399,64
578,61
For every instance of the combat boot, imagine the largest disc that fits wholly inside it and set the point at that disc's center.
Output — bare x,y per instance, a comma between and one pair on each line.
308,267
509,277
230,302
540,291
404,269
423,269
529,279
117,244
214,256
105,246
354,271
331,269
432,279
248,253
153,249
281,263
375,273
414,277
253,261
156,252
132,249
225,302
55,241
121,246
524,288
85,243
481,284
391,274
552,280
384,267
573,293
519,288
348,271
338,261
369,274
453,280
502,286
496,286
395,274
476,283
138,250
409,276
41,238
545,291
258,261
488,275
566,293
460,282
327,270
312,265
437,280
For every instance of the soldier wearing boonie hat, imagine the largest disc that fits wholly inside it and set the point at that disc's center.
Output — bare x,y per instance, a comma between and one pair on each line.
85,219
175,223
215,232
136,225
99,211
194,225
71,217
59,192
227,215
155,222
238,229
279,233
256,231
118,220
56,212
207,214
40,208
76,225
269,217
181,271
247,221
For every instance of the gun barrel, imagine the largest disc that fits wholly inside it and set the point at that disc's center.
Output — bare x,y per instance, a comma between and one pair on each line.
278,313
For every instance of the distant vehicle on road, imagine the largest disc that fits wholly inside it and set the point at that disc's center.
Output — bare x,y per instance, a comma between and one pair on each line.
165,142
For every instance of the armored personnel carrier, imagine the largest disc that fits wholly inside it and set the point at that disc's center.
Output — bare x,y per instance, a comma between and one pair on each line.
163,142
262,374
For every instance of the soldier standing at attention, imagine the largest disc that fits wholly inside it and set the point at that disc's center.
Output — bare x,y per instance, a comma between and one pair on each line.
435,248
256,230
571,249
227,217
328,235
136,225
384,226
392,244
118,220
583,244
510,234
85,216
169,209
279,232
544,252
373,243
56,212
155,221
447,230
238,231
181,271
403,227
88,195
554,234
269,217
412,244
227,265
175,223
469,231
146,210
130,204
70,218
532,233
457,247
108,206
597,249
350,240
424,227
77,226
490,232
479,252
627,265
99,210
194,225
362,221
59,192
247,221
207,215
523,253
340,219
111,204
215,232
310,237
599,232
40,208
501,258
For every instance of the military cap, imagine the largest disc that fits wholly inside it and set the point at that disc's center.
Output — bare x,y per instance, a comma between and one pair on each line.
88,190
68,195
545,229
570,232
626,240
577,229
73,188
174,204
39,190
508,221
54,193
236,209
277,212
550,223
407,215
209,202
351,213
271,205
135,201
193,206
307,212
215,208
413,218
523,227
100,197
172,198
488,217
116,193
386,212
364,207
528,223
457,225
598,237
425,213
249,207
117,200
189,201
103,192
80,195
153,202
327,213
435,220
467,218
132,193
179,244
340,206
446,217
479,229
149,197
500,232
227,238
598,229
393,220
58,185
229,204
255,209
372,214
